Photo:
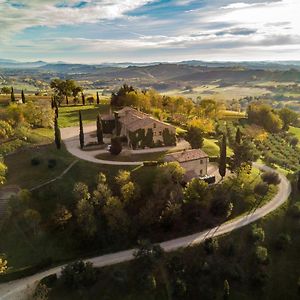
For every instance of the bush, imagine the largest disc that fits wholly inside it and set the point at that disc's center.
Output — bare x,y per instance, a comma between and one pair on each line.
51,163
270,178
116,146
35,161
261,254
257,234
261,189
78,275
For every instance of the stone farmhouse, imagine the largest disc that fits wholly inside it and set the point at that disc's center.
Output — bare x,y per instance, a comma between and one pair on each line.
194,161
142,130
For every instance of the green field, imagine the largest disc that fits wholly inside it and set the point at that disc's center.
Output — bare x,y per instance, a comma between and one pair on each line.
211,148
68,115
214,91
295,131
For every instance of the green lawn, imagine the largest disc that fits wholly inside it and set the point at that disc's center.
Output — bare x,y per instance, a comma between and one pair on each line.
22,173
68,115
295,131
211,147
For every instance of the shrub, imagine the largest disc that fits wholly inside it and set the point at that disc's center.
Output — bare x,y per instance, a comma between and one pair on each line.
270,178
257,233
261,189
116,146
261,254
78,275
35,161
51,163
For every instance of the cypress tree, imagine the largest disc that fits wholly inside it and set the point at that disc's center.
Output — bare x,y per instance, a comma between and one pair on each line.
98,99
23,97
99,130
83,99
67,100
56,111
223,156
226,290
52,103
238,136
57,134
81,134
12,95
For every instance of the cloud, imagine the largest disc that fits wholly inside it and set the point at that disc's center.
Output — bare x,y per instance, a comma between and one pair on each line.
150,29
15,18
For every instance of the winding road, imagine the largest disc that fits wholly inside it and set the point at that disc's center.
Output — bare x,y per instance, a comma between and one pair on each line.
17,289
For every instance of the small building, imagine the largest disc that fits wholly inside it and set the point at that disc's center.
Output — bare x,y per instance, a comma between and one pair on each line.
194,161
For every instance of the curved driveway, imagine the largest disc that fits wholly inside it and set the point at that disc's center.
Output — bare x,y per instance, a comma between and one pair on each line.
70,137
16,289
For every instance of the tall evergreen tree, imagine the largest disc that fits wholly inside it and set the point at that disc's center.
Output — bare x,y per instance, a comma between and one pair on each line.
238,136
23,97
57,134
12,95
81,134
67,100
223,157
98,99
56,111
52,103
83,99
226,290
99,130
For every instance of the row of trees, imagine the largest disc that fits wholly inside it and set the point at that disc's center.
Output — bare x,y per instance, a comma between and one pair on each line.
6,90
271,120
63,89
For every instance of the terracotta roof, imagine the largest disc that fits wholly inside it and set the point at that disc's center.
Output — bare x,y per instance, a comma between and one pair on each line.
134,119
187,155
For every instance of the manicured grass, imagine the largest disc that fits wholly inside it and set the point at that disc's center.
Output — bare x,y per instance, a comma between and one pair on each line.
295,131
68,115
132,157
22,173
39,136
211,147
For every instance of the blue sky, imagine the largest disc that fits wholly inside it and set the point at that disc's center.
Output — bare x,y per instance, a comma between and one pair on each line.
95,31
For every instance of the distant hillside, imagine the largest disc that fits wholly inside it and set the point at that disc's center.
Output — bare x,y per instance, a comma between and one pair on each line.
11,64
161,76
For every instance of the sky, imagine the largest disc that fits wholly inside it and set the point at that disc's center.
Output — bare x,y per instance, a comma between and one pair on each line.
98,31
